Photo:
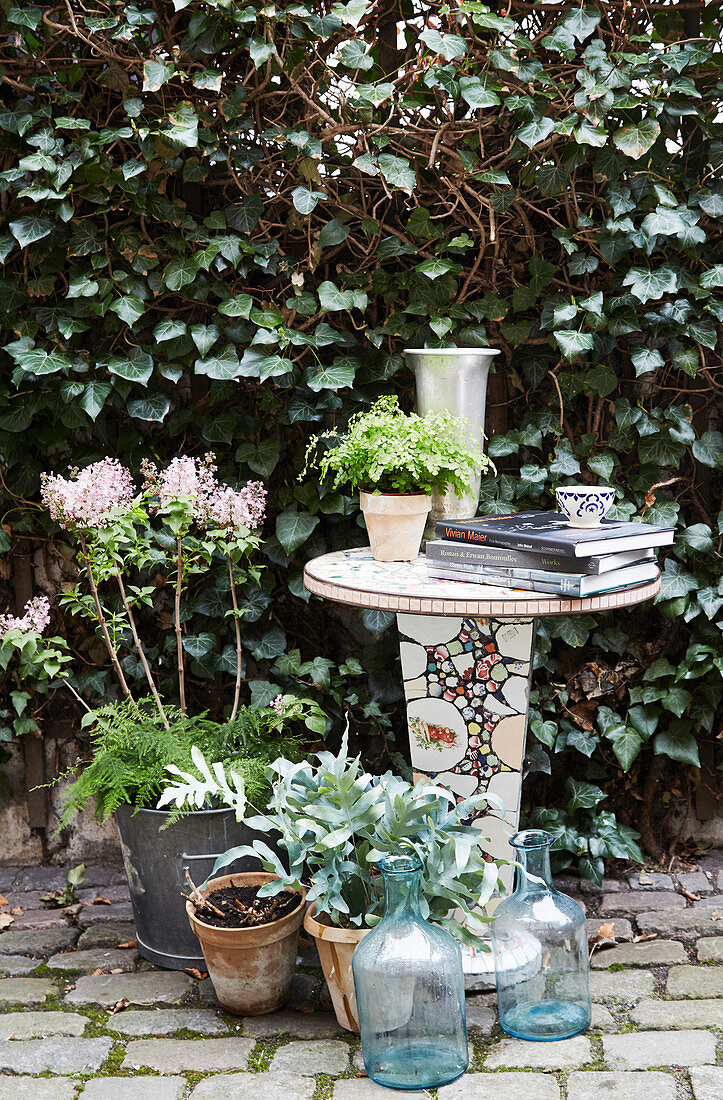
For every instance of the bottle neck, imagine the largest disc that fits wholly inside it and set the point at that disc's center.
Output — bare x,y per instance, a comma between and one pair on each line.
401,893
533,862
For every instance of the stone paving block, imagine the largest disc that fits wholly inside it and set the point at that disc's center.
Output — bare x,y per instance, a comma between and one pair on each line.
25,991
621,1086
302,1025
107,935
61,1056
639,901
719,882
560,1054
621,986
307,1059
201,1055
43,878
708,950
622,929
695,882
650,880
694,981
41,1025
104,874
480,1017
40,919
111,893
602,1019
15,966
362,1090
8,876
645,1049
670,921
38,1088
501,1086
712,902
90,915
39,944
707,1082
135,1088
654,953
164,1021
86,962
678,1015
259,1086
153,987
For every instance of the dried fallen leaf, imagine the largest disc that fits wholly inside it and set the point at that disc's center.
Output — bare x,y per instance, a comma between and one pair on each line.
119,1006
3,901
101,901
5,920
200,974
116,970
17,911
645,879
716,915
606,931
98,971
687,894
645,936
128,943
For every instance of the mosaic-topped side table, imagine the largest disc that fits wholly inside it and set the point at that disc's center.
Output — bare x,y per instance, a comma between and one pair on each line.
466,652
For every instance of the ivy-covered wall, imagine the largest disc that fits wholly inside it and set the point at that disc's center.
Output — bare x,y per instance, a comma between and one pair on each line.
220,224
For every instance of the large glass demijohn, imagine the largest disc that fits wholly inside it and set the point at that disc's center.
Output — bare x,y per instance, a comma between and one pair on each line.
409,990
540,948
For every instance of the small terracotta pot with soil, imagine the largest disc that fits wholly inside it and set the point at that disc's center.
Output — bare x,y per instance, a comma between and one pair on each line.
336,947
249,943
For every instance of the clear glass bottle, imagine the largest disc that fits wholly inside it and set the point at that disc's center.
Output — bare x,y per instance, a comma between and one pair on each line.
539,940
409,990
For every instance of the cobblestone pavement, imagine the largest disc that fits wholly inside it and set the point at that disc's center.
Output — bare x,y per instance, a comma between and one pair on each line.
86,1019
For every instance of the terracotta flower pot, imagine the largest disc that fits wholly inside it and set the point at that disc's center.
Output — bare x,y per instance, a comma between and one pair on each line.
336,947
251,968
395,523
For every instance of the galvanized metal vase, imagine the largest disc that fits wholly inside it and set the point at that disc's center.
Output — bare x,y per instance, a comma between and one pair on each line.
454,380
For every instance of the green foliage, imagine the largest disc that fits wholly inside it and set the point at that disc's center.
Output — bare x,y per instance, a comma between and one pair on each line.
336,821
132,748
546,181
386,451
32,666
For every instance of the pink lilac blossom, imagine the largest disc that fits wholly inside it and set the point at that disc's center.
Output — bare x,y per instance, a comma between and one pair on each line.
86,498
278,704
183,477
231,508
36,617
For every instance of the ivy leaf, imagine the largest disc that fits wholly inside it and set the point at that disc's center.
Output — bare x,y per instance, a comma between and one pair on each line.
137,366
305,200
168,329
155,75
25,16
635,141
709,449
713,277
584,796
204,337
198,645
294,528
182,127
646,360
433,269
180,272
240,306
38,361
535,132
475,93
129,309
573,629
581,22
377,621
224,366
155,406
647,284
398,172
94,397
627,744
333,299
31,228
675,581
334,232
448,45
678,743
572,343
602,466
260,51
335,376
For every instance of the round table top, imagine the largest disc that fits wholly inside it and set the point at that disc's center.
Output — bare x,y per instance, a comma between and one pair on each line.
354,577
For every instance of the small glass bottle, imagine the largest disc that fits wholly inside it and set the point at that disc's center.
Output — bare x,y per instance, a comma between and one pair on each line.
540,948
409,990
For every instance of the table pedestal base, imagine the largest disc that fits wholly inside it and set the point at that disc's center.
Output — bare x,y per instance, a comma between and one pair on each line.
467,689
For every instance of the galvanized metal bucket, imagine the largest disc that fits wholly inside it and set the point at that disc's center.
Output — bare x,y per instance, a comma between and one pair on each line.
454,380
154,859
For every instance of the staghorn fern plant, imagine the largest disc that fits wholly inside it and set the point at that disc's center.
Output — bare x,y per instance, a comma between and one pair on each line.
335,821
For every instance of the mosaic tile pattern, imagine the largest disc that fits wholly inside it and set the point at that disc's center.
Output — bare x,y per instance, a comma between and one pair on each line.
466,683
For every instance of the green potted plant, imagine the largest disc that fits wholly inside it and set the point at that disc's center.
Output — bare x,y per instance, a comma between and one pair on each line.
397,461
147,562
335,821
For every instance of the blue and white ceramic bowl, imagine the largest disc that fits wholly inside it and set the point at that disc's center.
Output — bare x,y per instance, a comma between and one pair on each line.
584,505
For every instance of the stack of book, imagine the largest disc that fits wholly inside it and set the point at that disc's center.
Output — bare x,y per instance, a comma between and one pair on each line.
541,552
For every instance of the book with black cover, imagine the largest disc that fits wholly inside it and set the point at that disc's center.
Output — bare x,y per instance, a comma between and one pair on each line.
550,532
559,584
445,552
